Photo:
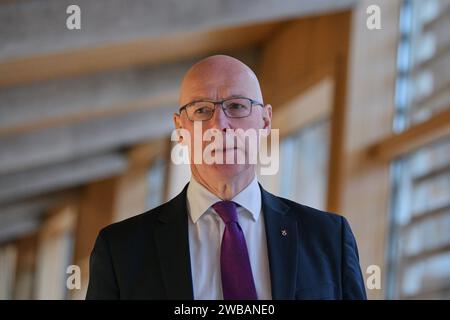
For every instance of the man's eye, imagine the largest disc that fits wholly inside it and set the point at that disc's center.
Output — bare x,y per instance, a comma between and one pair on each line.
202,110
236,106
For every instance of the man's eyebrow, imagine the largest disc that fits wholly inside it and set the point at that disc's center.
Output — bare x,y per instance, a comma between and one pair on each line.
199,98
237,96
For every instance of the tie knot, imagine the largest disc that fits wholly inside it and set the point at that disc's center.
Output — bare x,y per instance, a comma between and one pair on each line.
226,210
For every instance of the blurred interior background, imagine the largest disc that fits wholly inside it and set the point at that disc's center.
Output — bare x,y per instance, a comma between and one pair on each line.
86,117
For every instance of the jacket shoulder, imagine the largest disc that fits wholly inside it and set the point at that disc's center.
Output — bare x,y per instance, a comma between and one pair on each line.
133,226
312,215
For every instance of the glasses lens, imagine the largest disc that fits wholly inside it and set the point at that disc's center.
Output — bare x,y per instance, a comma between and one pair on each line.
237,108
200,111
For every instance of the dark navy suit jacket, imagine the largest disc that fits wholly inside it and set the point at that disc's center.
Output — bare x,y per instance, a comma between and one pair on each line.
147,256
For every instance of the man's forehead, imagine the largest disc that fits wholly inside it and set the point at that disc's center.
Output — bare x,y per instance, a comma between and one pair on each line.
219,88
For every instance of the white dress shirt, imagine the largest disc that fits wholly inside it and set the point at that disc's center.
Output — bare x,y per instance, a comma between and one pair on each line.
205,235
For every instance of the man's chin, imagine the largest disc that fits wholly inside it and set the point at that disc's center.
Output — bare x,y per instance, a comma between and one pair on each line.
226,170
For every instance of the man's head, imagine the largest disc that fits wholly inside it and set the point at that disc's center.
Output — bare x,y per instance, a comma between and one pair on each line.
217,78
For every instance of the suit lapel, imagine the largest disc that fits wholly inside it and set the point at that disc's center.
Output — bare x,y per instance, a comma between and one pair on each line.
282,246
172,243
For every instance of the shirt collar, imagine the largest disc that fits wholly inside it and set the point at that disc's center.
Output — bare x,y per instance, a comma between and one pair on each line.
201,199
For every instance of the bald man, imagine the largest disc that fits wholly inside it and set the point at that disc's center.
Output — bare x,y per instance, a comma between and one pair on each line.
224,236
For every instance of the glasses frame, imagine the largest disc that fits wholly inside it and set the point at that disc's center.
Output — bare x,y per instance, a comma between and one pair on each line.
221,102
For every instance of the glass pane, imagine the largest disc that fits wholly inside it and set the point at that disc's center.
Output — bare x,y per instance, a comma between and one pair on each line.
428,278
156,177
421,210
423,85
418,236
304,158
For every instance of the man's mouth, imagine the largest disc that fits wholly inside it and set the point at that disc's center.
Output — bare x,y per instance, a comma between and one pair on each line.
224,149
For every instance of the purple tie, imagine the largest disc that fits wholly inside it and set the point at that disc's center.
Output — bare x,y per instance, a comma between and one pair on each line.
237,278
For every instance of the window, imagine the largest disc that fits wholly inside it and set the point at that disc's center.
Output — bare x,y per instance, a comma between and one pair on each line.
423,81
420,238
422,223
156,176
55,253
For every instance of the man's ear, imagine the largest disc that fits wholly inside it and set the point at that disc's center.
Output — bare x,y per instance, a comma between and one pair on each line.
267,116
177,124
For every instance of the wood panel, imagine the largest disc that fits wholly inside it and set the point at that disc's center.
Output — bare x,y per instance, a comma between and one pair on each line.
299,55
312,105
417,136
289,68
365,193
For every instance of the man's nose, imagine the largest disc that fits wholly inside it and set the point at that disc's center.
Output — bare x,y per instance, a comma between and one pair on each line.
219,120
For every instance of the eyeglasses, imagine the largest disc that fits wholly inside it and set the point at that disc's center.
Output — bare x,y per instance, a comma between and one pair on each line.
232,107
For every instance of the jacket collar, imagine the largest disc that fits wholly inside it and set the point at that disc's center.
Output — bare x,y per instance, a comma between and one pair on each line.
172,244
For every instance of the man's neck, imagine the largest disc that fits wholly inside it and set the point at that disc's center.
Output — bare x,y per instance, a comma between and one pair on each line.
224,187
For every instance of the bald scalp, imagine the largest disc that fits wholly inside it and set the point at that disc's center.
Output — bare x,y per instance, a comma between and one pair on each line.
219,72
